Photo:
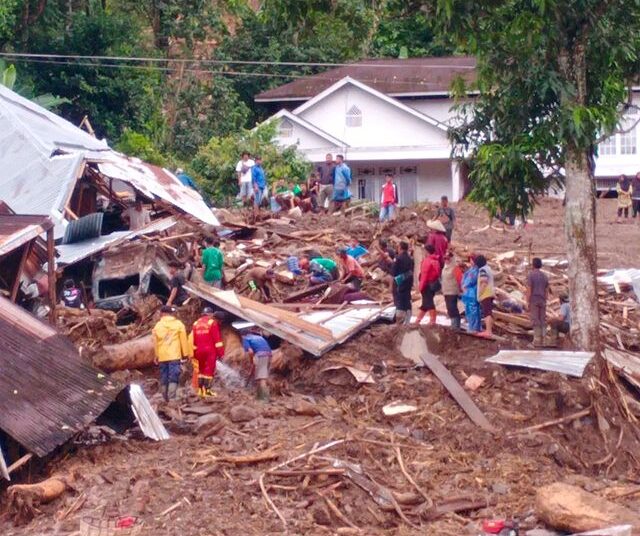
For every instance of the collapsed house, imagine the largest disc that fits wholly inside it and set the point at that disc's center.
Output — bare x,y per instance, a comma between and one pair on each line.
41,411
52,168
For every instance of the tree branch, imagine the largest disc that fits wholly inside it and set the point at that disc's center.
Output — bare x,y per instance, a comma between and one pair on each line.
621,130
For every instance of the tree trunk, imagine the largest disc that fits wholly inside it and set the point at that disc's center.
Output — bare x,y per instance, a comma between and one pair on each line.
580,232
133,354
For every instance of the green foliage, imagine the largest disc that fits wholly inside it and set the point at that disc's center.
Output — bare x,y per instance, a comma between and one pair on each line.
136,144
8,20
552,77
8,75
215,163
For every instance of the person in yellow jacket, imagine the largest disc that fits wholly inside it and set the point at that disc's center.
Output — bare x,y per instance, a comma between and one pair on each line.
171,346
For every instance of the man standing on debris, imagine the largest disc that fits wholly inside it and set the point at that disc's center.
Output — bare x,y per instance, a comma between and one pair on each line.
257,349
402,272
326,172
260,281
341,183
213,262
388,198
208,347
447,216
486,294
352,272
438,239
171,346
429,284
561,323
451,281
259,184
243,173
470,297
137,216
178,294
537,292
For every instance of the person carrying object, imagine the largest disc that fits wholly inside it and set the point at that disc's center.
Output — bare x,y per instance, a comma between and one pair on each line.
171,347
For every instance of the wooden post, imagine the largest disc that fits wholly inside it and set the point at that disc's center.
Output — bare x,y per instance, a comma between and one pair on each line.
51,265
23,260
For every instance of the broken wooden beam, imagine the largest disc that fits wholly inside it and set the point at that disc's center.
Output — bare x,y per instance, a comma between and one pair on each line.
457,392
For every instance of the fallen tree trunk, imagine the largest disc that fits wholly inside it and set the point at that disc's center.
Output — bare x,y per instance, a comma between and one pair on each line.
134,354
24,498
573,509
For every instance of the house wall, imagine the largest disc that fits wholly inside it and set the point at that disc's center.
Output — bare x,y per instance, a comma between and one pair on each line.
438,108
383,125
416,180
313,146
620,154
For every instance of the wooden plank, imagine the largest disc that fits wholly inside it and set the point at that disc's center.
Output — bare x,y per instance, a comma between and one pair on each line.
23,259
518,320
286,316
51,274
295,296
457,392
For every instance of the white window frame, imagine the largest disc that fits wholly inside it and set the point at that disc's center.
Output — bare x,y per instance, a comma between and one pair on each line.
608,146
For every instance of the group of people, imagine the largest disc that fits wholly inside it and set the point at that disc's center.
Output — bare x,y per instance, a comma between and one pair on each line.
326,189
628,191
205,346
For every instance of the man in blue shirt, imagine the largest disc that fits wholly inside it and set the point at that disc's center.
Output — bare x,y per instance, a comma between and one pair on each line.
185,179
341,183
259,183
258,350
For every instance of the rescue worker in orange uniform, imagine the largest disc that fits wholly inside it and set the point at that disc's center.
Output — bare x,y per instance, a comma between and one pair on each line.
206,341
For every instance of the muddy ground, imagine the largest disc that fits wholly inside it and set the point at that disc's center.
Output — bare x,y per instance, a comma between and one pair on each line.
434,459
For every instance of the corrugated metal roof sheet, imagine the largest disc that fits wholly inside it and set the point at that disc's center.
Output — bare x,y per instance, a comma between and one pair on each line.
16,230
34,181
392,76
47,393
72,253
569,363
316,333
155,182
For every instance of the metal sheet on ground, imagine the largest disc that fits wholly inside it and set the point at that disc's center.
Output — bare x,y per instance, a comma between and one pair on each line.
569,363
457,392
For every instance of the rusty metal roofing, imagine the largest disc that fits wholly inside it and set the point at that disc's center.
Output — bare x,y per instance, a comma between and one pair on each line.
47,393
394,77
16,230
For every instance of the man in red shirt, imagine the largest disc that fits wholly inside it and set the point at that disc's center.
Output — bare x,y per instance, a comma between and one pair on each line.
438,239
208,347
429,284
388,198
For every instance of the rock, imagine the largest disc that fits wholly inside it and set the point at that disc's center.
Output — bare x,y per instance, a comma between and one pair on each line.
209,424
572,509
320,515
500,488
242,414
474,382
300,406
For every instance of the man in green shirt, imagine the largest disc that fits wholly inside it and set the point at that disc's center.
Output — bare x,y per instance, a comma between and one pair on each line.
213,261
329,265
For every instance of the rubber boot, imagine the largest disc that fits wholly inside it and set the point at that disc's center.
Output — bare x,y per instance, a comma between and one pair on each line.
433,314
172,390
455,323
537,337
262,392
165,392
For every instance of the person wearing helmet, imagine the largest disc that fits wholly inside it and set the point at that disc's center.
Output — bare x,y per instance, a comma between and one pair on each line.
207,347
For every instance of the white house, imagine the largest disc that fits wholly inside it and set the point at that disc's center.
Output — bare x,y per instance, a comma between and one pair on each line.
384,116
392,116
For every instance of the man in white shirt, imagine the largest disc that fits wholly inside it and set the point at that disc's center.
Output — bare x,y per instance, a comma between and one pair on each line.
243,172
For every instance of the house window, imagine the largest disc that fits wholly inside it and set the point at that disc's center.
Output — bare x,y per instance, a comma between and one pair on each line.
608,146
286,128
628,139
354,117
